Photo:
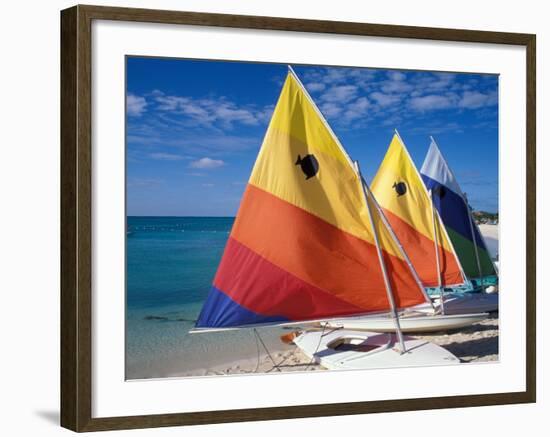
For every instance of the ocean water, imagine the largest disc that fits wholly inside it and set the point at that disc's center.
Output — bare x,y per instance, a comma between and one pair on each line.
171,261
170,265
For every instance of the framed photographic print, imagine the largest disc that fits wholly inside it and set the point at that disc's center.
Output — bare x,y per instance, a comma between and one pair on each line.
268,218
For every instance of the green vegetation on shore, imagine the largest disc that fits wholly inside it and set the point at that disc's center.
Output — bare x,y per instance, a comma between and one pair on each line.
482,217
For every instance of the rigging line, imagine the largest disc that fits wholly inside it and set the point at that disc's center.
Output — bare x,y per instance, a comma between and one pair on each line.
336,328
283,360
318,346
257,354
267,351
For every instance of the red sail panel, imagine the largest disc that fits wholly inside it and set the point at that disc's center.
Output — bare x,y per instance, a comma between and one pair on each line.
319,253
263,288
421,249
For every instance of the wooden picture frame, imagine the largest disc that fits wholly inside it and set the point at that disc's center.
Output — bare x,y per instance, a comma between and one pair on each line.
76,218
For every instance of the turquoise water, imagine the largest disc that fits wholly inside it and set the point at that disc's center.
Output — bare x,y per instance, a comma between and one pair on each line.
472,286
171,261
170,265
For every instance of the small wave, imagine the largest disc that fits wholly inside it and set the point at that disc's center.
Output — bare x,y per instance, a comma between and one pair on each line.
168,319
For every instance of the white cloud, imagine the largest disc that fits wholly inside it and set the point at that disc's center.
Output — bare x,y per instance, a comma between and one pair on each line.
438,128
169,103
265,114
229,113
331,109
397,76
135,105
211,111
315,87
385,99
207,163
357,109
396,86
167,156
340,99
348,97
431,102
322,77
475,99
340,94
440,81
334,75
393,120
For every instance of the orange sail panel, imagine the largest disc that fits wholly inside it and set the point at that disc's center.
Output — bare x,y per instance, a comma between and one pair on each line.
398,188
301,247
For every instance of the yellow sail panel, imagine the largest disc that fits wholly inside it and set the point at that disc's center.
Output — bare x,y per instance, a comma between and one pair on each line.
299,147
401,193
297,117
409,201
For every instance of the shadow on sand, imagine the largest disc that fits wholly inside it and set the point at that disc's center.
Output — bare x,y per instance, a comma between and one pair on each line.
474,349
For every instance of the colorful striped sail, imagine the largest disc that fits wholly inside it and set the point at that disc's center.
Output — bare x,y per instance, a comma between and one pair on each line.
301,247
398,188
456,215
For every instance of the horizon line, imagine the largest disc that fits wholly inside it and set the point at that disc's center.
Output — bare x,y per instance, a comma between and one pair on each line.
181,216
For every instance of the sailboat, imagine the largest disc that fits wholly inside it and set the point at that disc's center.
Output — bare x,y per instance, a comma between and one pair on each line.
465,236
407,206
309,245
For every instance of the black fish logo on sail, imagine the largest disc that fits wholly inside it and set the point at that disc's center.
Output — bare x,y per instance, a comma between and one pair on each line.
400,188
440,191
308,164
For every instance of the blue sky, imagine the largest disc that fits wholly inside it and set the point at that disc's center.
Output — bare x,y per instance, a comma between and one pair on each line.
194,128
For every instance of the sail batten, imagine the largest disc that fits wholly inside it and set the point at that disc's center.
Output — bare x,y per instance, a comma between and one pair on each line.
301,247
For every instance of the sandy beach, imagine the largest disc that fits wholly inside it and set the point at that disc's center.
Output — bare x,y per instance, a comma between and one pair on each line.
490,235
476,343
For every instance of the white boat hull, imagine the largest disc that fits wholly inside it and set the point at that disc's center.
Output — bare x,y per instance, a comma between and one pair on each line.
464,303
344,349
469,303
409,322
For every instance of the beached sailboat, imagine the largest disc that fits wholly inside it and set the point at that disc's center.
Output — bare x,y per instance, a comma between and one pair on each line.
418,319
465,236
360,350
309,244
406,204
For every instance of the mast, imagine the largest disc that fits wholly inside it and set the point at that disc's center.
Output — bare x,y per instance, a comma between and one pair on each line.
366,193
474,239
355,166
400,246
389,291
437,261
438,218
472,224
